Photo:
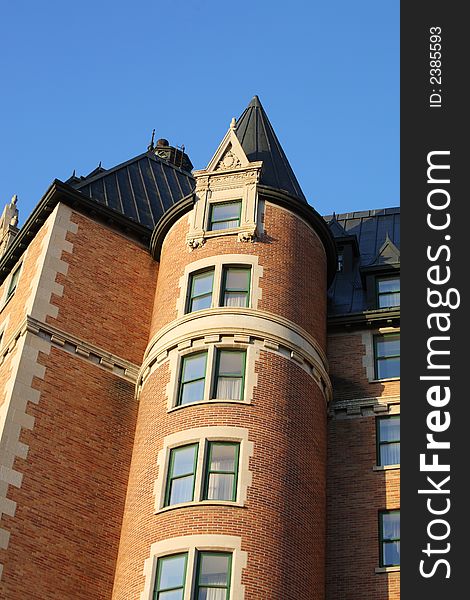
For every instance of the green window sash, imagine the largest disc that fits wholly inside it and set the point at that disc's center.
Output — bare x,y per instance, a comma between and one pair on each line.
213,574
388,292
200,291
181,475
389,527
221,474
388,440
225,215
230,375
170,577
192,378
387,355
236,286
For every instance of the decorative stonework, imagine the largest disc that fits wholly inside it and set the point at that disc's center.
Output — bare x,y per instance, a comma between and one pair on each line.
364,407
229,176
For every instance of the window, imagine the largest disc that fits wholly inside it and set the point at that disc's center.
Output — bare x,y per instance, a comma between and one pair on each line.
388,292
340,263
388,440
387,355
225,215
200,290
221,471
213,576
170,578
213,477
236,286
212,580
230,374
181,475
389,522
13,282
193,378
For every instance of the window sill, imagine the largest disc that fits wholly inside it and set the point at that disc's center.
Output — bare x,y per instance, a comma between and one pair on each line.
213,401
382,380
385,467
387,569
200,503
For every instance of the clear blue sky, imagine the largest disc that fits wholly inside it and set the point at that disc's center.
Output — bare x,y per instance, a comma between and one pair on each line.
84,82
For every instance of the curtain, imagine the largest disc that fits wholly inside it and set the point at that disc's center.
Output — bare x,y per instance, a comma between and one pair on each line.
182,490
390,454
229,388
220,487
236,299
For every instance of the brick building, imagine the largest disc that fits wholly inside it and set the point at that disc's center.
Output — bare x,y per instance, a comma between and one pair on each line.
199,385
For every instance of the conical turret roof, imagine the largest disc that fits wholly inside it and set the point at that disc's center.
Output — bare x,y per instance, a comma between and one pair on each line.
259,142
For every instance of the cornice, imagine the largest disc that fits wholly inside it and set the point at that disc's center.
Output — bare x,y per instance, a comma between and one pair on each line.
61,192
365,318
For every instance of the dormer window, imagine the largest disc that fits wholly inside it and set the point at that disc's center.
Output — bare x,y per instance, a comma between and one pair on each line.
225,215
388,292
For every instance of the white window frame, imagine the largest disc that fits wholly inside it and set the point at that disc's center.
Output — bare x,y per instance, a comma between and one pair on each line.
191,544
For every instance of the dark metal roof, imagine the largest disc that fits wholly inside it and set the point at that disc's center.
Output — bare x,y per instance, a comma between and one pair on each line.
371,228
142,189
259,142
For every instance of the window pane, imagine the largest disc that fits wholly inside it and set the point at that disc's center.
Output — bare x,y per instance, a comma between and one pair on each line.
192,392
173,595
390,454
237,279
194,366
226,211
181,490
229,388
223,457
389,367
171,572
389,429
200,303
220,486
391,553
202,283
231,363
213,569
388,285
236,299
391,525
387,300
183,460
388,345
212,594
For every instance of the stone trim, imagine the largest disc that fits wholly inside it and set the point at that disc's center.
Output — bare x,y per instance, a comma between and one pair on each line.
252,340
262,324
387,569
368,360
202,435
218,263
73,345
364,407
190,544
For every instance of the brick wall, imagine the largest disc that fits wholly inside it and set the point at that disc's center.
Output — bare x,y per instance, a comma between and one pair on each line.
283,524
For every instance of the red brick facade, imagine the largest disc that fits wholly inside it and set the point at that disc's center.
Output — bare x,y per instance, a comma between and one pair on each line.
86,390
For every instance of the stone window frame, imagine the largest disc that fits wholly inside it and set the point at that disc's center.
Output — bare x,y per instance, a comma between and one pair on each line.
202,436
192,544
379,466
206,344
385,568
8,293
368,360
218,263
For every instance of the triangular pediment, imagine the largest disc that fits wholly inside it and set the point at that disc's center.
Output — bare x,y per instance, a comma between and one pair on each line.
229,154
388,254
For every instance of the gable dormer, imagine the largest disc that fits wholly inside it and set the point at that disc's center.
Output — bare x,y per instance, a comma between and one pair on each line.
346,245
226,195
382,277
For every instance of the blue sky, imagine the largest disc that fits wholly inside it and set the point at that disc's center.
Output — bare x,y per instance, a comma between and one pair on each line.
85,82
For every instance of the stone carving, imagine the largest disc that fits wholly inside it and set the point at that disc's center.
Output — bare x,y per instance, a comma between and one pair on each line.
228,161
196,242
